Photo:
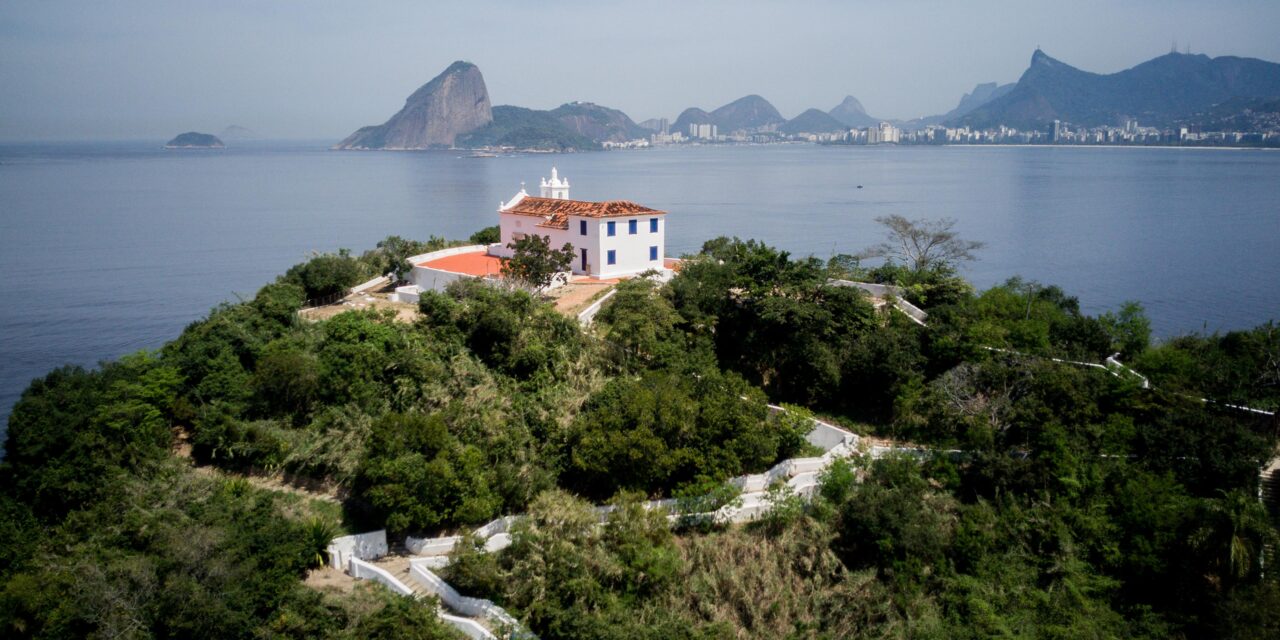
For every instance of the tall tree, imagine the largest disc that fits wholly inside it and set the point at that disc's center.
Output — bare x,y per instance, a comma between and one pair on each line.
923,244
535,264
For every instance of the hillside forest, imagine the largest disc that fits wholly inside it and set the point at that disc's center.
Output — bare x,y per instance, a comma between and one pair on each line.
1075,503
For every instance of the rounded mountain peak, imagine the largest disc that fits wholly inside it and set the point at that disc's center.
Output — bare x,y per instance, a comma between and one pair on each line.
851,103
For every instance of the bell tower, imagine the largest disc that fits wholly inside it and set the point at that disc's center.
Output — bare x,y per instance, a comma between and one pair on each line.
555,187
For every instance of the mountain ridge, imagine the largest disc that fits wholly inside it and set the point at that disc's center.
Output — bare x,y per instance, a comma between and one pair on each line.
1155,92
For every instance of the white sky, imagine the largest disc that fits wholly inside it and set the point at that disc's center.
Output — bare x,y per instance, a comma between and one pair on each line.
150,69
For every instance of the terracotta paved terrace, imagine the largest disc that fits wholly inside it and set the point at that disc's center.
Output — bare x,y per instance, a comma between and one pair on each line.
472,264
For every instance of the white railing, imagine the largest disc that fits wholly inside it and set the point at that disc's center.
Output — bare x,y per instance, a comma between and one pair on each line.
470,607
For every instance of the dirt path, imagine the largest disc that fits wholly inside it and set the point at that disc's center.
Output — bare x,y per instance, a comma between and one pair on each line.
573,297
374,299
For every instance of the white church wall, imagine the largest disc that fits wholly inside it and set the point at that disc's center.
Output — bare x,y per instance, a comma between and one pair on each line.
631,251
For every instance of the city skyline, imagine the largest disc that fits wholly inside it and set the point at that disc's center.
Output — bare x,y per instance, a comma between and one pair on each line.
146,69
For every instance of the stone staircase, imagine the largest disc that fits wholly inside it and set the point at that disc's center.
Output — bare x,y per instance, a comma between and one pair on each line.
472,626
398,566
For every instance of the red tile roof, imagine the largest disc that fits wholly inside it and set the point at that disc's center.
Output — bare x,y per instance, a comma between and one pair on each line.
557,211
476,263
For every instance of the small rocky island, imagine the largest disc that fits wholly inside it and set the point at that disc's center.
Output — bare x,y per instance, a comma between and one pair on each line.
194,140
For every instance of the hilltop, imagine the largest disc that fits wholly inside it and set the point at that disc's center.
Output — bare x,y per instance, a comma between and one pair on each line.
1037,493
1156,92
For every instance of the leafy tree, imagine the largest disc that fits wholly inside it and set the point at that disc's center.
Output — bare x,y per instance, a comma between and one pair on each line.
487,235
667,429
417,476
641,324
894,522
1129,329
328,274
392,254
535,264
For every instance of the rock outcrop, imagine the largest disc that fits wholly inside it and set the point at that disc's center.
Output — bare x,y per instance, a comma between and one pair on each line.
453,103
850,113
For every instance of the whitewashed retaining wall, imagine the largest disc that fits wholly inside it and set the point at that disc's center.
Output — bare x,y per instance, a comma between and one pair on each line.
362,546
362,570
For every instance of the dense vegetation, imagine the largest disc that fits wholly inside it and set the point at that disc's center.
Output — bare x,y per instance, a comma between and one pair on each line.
1081,504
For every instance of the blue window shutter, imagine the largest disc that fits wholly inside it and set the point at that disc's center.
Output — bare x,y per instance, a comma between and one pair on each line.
582,227
653,225
612,227
631,226
613,255
653,253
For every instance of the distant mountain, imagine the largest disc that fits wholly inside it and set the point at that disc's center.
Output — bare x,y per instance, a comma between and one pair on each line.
981,94
237,132
746,113
850,113
598,123
692,115
526,129
453,103
1156,92
652,124
1237,114
194,140
812,121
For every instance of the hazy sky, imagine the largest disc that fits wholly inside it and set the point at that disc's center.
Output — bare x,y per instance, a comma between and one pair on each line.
142,69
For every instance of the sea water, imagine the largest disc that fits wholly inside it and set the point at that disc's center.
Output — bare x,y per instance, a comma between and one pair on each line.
107,248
